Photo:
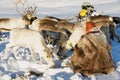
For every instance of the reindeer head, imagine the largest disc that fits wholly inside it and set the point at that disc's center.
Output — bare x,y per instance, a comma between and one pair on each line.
116,20
28,14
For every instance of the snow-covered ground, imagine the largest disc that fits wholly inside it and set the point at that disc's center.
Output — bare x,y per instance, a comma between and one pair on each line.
12,68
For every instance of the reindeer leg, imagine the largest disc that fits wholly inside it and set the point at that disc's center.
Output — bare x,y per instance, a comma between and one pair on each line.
8,48
32,54
6,54
6,51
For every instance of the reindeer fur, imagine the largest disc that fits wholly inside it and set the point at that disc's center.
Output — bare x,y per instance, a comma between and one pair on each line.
91,56
33,40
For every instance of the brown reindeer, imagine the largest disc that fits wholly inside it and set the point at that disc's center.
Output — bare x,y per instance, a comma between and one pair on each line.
111,27
100,18
100,21
92,56
48,23
66,25
101,24
70,26
103,20
107,27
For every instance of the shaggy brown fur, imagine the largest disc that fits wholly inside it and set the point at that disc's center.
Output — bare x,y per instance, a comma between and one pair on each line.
104,20
49,24
91,56
66,25
111,25
100,18
4,19
104,23
58,19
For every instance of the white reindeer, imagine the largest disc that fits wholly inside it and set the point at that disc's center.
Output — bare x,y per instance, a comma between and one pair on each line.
33,40
27,18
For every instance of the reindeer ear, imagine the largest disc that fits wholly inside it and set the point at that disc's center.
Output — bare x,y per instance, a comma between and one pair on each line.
24,17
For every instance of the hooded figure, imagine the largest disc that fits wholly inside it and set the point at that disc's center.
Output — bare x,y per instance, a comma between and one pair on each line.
87,10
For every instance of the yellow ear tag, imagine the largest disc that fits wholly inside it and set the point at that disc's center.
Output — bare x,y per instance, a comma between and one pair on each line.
83,12
69,43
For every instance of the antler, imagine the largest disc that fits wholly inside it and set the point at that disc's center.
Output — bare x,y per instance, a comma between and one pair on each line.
16,6
30,10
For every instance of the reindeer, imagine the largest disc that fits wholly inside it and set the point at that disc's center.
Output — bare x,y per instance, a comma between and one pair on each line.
31,39
104,18
100,21
111,27
27,18
48,23
47,26
79,29
69,26
73,39
100,18
116,20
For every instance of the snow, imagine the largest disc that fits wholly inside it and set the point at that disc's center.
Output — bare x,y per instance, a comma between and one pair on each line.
11,68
